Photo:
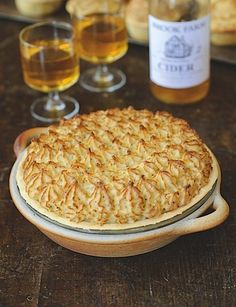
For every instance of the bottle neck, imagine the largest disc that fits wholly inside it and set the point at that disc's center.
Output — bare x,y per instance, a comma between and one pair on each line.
179,10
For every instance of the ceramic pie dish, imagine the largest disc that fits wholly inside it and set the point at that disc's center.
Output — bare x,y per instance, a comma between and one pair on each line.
120,242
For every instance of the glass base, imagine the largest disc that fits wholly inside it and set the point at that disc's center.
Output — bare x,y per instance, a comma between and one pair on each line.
94,81
68,108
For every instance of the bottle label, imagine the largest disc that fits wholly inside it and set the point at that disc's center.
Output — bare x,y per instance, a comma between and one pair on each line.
179,52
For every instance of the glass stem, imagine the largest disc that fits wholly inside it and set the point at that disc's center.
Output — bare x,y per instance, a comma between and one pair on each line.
54,102
102,74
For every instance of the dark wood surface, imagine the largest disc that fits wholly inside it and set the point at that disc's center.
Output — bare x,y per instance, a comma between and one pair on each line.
195,270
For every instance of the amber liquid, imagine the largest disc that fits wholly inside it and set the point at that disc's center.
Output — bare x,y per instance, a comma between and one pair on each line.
180,96
179,11
49,65
101,38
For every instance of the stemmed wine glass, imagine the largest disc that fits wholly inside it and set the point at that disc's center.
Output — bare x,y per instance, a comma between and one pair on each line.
101,38
50,64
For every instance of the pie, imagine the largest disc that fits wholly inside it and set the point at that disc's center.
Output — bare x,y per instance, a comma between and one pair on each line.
116,169
223,22
37,8
80,8
137,19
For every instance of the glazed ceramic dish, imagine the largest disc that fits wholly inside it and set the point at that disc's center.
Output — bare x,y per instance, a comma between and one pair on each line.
120,243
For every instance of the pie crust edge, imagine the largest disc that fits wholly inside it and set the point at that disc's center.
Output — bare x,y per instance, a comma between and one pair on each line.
89,226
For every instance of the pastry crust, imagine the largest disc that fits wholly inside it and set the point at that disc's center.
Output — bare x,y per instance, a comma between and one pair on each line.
37,8
137,19
223,22
116,169
81,8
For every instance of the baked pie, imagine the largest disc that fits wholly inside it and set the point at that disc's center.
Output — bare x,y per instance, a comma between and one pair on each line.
137,19
223,22
38,8
116,169
87,7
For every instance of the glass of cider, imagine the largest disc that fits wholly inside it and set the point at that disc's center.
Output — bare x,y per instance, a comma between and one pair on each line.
101,39
50,64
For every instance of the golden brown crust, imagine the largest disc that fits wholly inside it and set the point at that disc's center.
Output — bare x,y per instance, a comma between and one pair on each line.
81,8
44,7
223,22
115,167
137,19
137,10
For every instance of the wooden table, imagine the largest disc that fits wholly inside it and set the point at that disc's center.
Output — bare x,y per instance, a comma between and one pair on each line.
195,270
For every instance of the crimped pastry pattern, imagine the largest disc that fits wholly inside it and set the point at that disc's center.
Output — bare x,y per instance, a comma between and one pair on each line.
115,167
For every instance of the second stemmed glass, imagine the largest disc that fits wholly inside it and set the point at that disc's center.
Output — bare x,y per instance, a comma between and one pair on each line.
101,39
50,64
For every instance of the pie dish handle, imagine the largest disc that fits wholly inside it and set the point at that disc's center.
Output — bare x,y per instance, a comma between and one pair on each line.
211,220
23,139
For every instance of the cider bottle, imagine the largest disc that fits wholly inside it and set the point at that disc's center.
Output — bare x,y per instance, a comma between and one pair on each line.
179,50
